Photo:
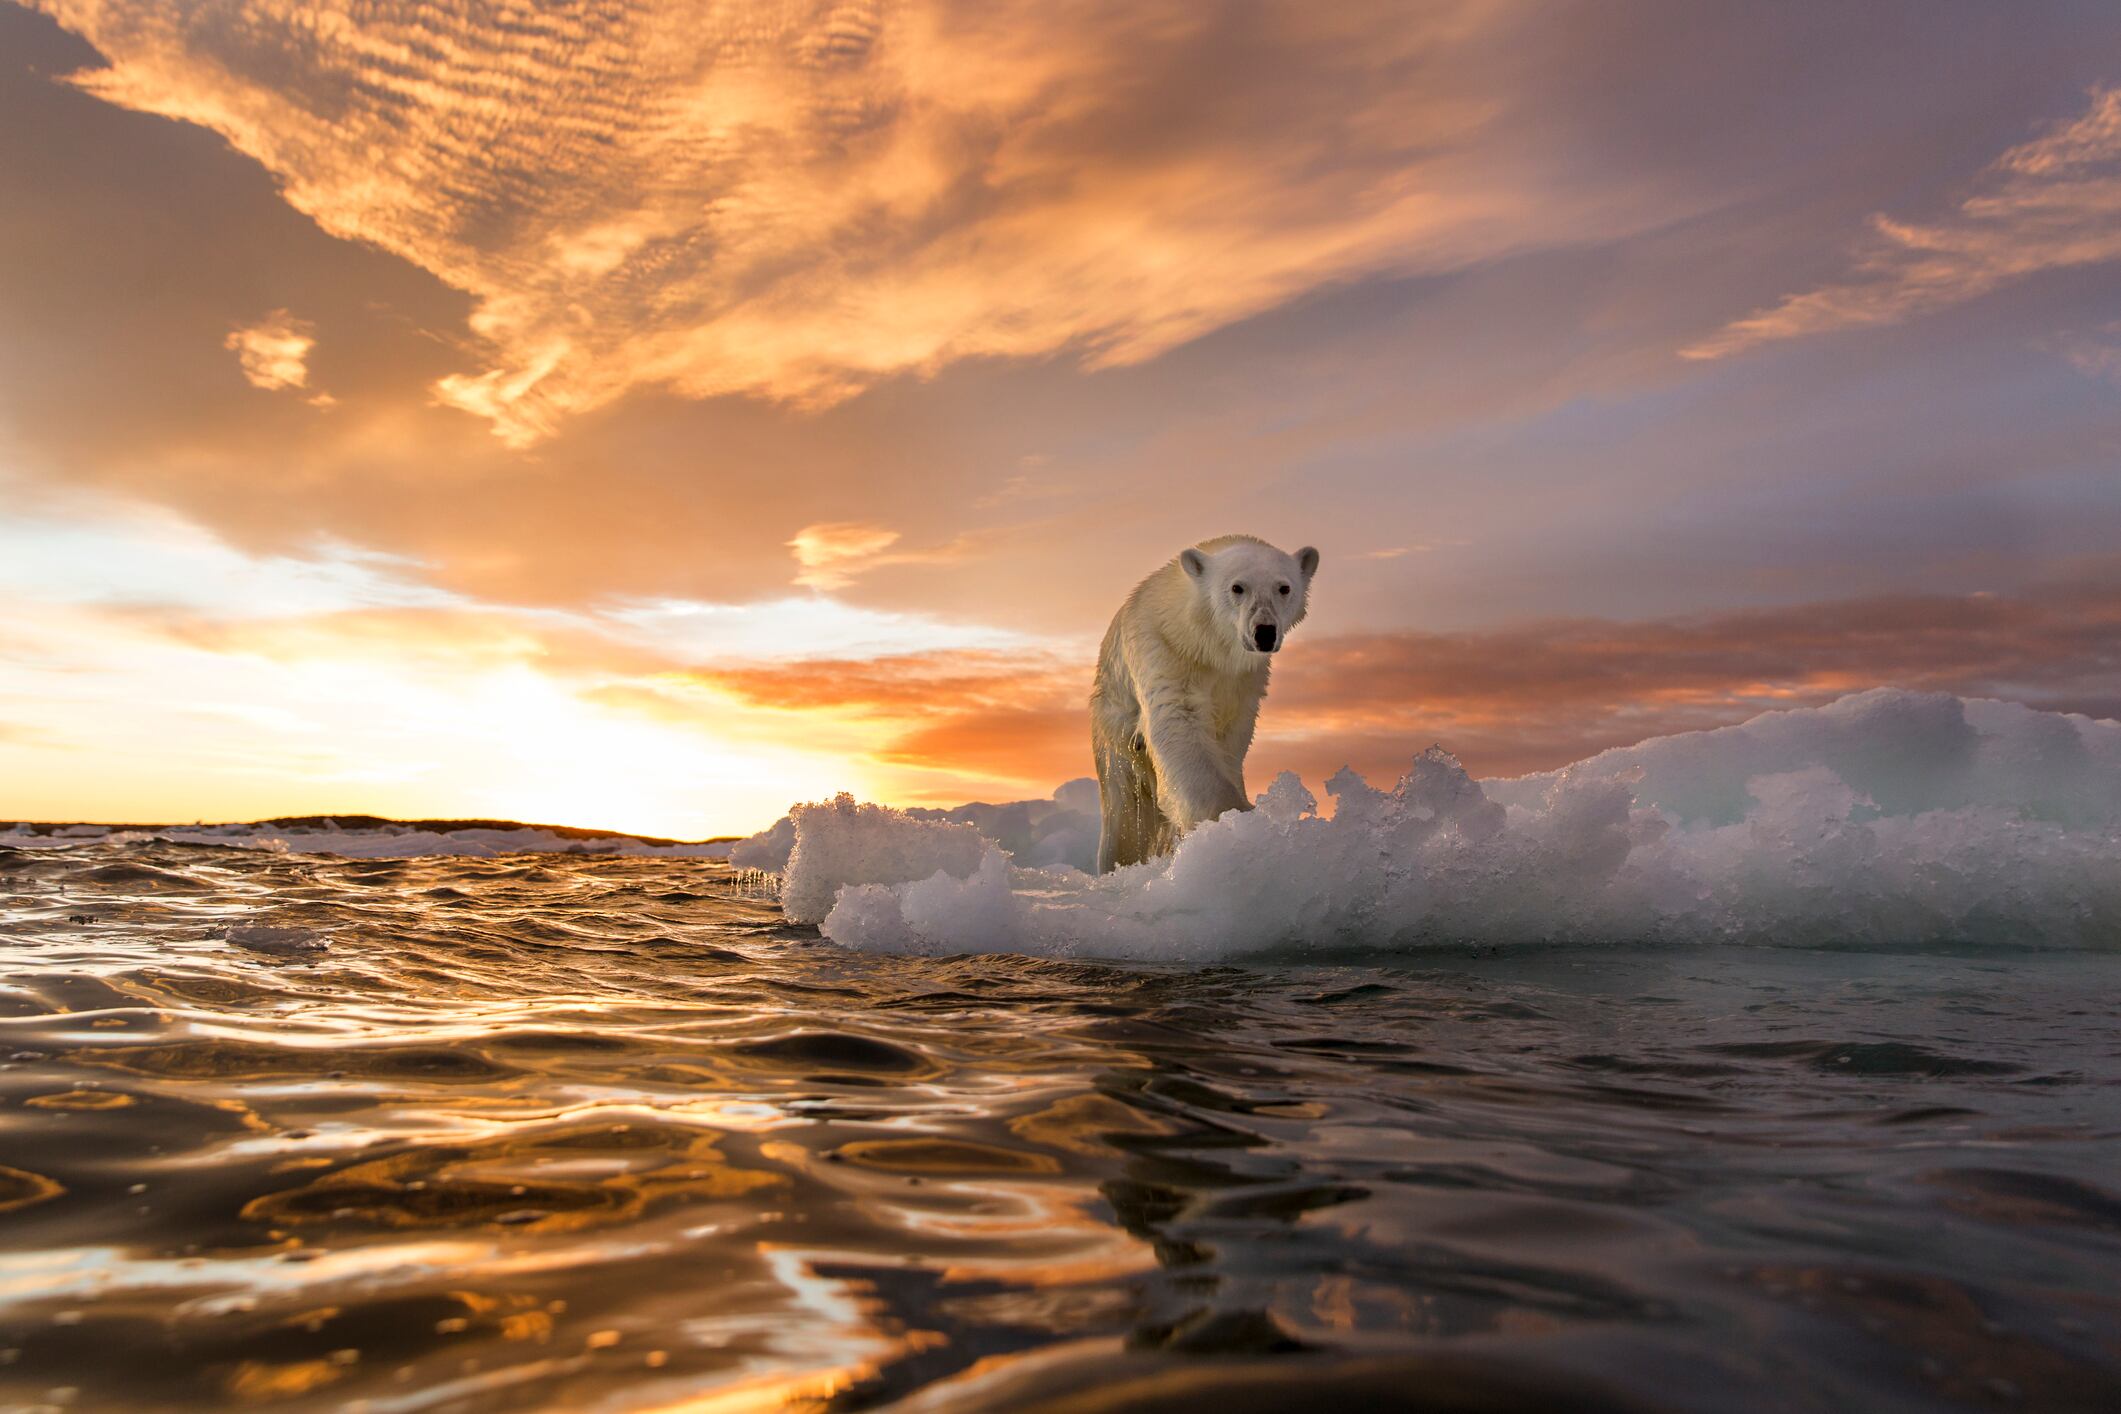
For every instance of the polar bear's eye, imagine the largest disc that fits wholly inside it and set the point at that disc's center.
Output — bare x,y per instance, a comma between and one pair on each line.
1238,590
1285,589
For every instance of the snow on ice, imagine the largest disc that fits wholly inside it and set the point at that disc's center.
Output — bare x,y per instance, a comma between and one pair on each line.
1888,818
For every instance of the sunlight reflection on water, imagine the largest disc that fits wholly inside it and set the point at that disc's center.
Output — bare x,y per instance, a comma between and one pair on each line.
608,1133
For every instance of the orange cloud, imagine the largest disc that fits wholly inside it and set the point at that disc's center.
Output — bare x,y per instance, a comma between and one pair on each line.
832,553
275,352
914,684
1010,719
1541,695
1509,701
794,202
2047,204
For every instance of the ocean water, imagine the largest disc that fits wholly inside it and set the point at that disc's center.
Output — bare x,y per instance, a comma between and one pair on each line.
611,1133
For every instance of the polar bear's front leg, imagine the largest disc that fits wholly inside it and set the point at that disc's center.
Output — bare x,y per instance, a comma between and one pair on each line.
1194,781
1130,823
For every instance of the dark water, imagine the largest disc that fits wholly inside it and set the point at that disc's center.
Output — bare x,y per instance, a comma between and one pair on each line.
603,1134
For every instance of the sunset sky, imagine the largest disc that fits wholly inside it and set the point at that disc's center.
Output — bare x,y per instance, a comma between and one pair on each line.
646,416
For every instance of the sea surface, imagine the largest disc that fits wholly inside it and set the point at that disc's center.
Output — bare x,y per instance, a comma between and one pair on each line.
555,1132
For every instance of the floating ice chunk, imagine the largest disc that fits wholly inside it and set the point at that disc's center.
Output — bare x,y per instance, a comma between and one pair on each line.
1057,831
1886,819
839,842
768,849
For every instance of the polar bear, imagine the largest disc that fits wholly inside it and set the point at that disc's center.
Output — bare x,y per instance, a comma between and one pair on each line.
1179,682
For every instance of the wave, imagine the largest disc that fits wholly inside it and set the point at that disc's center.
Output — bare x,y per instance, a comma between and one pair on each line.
370,839
1886,819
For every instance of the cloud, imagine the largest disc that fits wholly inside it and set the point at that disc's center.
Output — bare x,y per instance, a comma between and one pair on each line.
2096,355
1535,696
138,555
833,552
2048,204
1524,698
913,684
800,626
274,353
980,716
794,202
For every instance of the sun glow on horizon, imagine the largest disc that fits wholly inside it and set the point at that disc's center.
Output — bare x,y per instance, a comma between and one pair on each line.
553,758
335,683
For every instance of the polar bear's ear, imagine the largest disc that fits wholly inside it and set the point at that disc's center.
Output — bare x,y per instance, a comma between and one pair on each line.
1193,563
1307,561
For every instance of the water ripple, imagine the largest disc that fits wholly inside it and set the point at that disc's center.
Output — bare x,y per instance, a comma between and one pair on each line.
488,1134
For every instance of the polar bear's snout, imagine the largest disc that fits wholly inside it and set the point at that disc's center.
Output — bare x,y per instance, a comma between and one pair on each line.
1266,638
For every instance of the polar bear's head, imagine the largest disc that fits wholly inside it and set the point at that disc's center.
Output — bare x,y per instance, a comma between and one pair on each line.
1251,591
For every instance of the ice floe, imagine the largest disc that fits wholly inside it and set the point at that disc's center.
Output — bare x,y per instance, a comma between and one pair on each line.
1889,818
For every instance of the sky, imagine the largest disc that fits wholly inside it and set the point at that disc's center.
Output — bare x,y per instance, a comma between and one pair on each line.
649,415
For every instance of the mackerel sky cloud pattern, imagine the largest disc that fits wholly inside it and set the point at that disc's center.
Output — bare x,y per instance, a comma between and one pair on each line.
793,201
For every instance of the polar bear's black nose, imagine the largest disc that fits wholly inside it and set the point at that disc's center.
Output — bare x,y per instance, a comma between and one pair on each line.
1264,637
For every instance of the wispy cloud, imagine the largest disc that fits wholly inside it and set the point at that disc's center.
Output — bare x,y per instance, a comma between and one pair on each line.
2048,204
2096,354
831,554
795,201
137,555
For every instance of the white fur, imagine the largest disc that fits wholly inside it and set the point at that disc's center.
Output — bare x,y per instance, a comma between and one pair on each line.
1179,683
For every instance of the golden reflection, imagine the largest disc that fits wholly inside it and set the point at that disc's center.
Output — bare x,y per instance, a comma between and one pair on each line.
81,1100
313,1320
1080,1124
219,1058
770,1394
254,1380
527,1325
746,1115
943,1156
19,1188
560,1179
249,1117
312,1161
1005,1214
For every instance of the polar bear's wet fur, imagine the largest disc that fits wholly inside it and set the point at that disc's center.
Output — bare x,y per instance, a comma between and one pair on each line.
1179,683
